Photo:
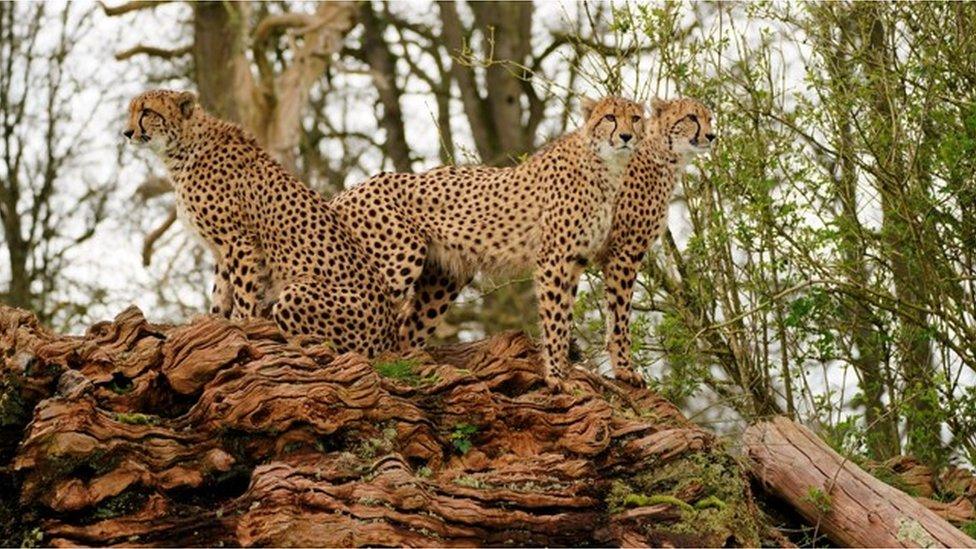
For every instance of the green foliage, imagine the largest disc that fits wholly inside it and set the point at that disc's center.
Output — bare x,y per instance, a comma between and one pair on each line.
686,372
372,447
710,502
820,500
460,437
847,437
397,369
33,538
404,370
469,482
719,491
123,504
923,410
824,262
640,500
132,418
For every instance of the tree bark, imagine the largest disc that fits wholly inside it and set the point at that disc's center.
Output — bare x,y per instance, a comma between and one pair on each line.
222,433
382,66
220,32
847,504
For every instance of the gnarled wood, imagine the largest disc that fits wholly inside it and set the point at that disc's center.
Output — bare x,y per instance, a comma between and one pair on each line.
217,432
850,506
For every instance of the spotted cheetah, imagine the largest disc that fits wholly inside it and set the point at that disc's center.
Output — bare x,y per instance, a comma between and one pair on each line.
430,233
279,248
677,130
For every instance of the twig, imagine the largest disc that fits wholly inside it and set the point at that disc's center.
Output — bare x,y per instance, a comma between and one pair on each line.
154,235
134,5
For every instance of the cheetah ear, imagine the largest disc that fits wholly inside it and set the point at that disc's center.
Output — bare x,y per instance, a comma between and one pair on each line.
658,106
586,105
186,101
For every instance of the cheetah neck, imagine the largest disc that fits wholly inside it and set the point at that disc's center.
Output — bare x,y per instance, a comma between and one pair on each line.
607,173
616,167
182,153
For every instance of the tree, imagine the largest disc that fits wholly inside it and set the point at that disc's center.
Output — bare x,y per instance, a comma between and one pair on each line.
48,207
829,230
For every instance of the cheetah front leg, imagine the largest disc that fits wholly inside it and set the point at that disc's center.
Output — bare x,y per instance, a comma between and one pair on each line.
556,279
619,274
433,293
222,297
248,277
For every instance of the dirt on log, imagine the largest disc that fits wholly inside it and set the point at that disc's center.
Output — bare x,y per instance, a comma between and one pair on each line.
221,433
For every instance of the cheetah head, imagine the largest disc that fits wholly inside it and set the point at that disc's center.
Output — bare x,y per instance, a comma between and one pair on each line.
685,124
158,118
614,126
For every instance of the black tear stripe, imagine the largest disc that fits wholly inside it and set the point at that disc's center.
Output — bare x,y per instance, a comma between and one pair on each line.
142,114
671,133
613,131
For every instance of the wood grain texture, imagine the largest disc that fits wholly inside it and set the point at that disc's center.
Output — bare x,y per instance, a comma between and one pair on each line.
216,432
850,506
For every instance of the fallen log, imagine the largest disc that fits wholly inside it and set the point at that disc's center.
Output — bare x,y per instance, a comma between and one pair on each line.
222,433
848,505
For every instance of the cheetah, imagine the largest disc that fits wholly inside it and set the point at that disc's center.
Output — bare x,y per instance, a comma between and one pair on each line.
677,130
430,233
279,248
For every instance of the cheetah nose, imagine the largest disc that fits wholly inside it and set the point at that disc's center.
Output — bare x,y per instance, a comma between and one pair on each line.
128,133
625,137
710,137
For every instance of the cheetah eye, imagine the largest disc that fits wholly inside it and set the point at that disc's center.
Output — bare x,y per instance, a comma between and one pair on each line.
611,118
693,118
636,119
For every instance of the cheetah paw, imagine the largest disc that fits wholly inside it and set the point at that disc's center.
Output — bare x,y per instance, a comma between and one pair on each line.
630,377
554,383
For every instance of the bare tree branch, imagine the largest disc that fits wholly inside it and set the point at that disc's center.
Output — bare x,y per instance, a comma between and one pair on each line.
134,5
150,241
153,51
152,187
383,72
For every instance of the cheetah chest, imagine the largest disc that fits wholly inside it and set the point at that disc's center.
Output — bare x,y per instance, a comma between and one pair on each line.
191,221
597,227
599,221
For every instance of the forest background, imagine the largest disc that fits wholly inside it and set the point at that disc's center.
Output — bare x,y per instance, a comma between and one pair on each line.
820,263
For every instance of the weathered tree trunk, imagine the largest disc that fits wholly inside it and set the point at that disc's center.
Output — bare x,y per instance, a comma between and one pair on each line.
221,70
383,71
222,433
847,504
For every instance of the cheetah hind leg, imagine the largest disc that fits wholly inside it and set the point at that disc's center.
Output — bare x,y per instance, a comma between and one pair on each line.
433,293
360,320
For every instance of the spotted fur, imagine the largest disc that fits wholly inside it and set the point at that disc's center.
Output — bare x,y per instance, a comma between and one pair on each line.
279,248
430,233
678,129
